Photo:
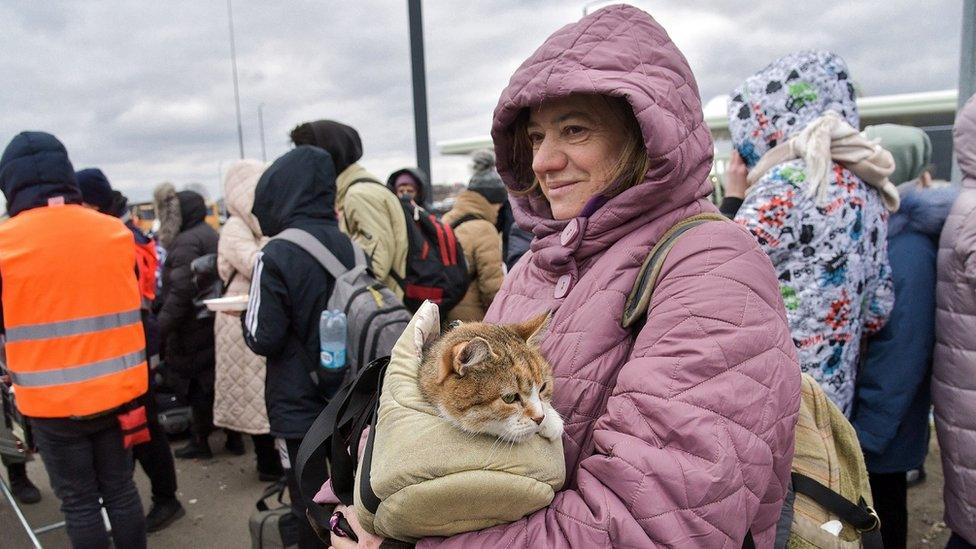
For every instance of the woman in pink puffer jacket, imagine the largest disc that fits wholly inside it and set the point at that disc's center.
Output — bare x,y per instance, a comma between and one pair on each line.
682,436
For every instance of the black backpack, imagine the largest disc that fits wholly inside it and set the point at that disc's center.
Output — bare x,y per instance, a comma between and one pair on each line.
436,269
330,447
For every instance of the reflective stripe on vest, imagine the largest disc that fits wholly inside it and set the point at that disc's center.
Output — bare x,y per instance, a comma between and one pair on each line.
72,327
84,372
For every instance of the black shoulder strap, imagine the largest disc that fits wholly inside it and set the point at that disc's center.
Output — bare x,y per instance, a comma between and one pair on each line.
861,516
367,180
330,447
640,296
276,489
464,219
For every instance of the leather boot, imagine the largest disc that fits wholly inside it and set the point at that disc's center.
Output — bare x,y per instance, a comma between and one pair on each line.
197,448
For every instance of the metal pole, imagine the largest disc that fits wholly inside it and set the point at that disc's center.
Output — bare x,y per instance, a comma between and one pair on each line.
233,62
421,133
264,155
967,66
20,515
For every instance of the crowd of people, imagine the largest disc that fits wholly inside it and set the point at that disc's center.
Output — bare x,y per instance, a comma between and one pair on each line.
846,261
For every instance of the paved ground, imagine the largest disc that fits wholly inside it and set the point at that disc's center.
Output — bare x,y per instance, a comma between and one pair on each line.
219,496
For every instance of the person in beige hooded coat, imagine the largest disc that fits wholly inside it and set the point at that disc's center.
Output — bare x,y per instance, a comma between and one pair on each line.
954,361
473,219
239,385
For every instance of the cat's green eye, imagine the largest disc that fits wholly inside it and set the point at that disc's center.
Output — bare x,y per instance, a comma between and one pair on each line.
544,386
509,398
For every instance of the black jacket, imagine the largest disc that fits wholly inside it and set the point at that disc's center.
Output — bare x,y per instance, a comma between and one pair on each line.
290,289
188,342
518,244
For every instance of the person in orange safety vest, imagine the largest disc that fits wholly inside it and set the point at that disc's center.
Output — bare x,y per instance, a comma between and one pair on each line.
154,456
74,339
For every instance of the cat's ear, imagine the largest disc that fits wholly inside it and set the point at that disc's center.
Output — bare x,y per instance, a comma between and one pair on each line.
532,329
464,356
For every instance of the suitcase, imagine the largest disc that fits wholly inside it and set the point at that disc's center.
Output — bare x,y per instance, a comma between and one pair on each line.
273,528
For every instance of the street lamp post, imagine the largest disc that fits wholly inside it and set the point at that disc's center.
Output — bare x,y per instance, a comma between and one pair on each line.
421,131
233,63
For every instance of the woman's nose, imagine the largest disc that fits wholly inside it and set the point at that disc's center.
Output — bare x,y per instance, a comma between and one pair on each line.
548,158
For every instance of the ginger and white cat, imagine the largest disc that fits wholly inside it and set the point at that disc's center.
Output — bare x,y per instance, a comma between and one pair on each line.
492,379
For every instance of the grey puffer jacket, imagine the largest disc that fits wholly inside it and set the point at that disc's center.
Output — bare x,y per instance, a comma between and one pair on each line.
954,365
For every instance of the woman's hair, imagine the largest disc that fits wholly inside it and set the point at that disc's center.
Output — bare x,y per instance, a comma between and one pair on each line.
630,169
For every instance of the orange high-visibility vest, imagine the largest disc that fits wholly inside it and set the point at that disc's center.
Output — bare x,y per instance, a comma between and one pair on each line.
75,345
146,263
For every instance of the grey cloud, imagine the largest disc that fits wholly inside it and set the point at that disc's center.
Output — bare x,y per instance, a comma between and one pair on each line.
144,89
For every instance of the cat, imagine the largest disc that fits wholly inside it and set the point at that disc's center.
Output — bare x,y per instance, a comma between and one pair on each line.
492,379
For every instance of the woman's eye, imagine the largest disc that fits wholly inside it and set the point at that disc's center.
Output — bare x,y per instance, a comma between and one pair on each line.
536,138
574,131
509,398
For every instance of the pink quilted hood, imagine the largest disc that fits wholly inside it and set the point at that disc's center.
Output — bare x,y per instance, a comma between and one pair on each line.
618,51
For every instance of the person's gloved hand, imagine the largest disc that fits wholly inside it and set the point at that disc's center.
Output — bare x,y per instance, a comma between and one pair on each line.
735,183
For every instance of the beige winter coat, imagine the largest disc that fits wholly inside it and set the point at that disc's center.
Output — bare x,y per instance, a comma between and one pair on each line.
239,385
482,252
372,216
954,359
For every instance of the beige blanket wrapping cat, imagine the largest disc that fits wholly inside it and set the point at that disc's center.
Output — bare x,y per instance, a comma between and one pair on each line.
433,479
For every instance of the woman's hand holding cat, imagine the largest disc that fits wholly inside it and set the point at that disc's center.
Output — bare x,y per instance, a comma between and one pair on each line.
366,540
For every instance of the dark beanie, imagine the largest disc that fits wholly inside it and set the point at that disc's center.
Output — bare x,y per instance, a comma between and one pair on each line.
120,204
486,180
342,142
95,189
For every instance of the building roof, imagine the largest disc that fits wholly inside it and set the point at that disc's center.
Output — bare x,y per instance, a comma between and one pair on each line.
921,109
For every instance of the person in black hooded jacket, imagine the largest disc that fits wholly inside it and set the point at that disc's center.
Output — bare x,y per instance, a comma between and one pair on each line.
410,183
289,291
187,341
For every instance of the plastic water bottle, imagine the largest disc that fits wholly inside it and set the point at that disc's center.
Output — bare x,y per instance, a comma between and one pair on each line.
332,340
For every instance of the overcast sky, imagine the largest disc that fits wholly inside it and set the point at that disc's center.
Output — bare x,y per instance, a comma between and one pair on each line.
144,90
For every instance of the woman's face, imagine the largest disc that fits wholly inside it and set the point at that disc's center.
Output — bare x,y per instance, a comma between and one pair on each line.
577,142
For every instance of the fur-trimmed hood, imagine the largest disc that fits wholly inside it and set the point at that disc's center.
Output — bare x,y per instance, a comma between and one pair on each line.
167,206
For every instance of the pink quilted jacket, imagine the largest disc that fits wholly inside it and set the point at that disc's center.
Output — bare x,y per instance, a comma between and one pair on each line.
954,361
684,436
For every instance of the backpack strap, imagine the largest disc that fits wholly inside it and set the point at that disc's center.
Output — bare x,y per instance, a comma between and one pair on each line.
316,249
367,180
331,445
465,219
276,489
640,296
861,516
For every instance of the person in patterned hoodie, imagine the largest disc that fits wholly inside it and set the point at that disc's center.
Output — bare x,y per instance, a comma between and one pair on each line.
818,204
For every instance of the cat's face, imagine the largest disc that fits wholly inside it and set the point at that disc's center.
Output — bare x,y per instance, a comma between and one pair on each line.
492,379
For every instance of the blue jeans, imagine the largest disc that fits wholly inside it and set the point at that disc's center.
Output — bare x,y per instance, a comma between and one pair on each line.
85,460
